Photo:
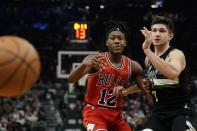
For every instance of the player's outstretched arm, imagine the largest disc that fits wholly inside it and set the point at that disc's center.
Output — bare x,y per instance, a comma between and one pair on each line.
120,90
172,66
89,62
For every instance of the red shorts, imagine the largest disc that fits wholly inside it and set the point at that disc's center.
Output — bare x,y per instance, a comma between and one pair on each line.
103,119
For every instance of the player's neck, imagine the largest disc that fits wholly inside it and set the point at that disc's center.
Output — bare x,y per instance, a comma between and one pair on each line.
159,50
115,58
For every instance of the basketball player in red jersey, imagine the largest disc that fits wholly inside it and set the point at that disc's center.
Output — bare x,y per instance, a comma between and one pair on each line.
107,70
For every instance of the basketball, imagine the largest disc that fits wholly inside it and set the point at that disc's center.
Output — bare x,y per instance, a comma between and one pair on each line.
19,66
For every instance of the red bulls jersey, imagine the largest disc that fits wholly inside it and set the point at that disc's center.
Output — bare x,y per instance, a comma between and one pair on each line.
100,84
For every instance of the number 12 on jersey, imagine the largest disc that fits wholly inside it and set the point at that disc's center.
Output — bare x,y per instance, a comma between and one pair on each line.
105,100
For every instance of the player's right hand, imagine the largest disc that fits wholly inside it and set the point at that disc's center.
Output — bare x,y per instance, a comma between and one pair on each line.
95,61
120,91
148,38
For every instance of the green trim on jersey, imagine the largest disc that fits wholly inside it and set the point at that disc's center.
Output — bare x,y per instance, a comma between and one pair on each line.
167,86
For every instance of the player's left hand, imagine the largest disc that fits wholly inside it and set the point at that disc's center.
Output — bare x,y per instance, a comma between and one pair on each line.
146,85
119,91
148,38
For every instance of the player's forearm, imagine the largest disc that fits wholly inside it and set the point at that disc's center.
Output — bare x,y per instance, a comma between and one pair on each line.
132,89
164,68
77,73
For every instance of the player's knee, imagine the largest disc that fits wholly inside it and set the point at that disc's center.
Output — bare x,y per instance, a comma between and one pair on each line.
147,129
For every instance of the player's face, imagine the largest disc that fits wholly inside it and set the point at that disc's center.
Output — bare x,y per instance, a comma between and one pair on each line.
116,42
161,35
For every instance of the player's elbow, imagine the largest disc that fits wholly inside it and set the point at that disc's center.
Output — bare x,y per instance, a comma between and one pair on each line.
174,72
173,75
71,79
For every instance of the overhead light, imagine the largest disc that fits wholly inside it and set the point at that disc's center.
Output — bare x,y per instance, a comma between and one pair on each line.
87,7
154,6
157,4
102,6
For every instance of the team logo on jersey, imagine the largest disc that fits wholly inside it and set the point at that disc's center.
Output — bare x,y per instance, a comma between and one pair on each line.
110,80
151,73
104,79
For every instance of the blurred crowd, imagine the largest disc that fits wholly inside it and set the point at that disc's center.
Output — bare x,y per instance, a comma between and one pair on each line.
57,106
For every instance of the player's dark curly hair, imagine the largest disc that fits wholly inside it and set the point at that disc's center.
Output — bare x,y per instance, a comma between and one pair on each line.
112,25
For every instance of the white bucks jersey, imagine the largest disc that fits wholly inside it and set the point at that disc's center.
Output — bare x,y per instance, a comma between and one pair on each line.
168,94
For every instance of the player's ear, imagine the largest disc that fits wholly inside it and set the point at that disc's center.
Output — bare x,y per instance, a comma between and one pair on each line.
171,36
106,43
125,43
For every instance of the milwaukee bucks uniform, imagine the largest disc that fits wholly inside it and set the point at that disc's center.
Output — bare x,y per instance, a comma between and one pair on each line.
171,100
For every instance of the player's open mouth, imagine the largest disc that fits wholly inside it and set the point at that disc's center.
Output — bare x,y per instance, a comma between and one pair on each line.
156,40
117,47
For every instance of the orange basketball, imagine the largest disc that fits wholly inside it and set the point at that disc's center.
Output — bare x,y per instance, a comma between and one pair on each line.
19,66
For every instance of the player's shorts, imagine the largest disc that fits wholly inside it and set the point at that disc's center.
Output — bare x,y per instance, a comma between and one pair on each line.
178,123
103,119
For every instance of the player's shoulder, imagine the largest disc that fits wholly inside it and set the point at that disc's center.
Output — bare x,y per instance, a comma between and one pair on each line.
132,60
176,52
134,63
88,57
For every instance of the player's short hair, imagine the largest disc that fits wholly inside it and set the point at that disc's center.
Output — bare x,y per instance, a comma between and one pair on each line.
163,20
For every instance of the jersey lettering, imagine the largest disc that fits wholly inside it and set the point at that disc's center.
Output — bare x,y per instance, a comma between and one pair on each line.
118,81
110,80
104,79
